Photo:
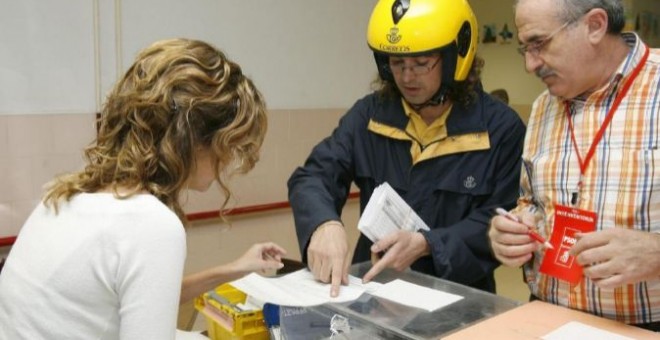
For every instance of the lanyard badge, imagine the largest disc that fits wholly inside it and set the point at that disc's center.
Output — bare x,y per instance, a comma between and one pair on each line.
558,262
584,162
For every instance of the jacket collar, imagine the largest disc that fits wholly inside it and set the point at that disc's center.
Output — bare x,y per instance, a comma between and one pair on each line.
461,119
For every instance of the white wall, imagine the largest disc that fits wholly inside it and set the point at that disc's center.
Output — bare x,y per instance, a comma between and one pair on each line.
300,53
47,56
63,56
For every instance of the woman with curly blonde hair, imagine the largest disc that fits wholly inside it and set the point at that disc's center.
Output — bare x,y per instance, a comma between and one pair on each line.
102,256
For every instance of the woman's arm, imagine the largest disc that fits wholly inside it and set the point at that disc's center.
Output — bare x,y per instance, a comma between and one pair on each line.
260,257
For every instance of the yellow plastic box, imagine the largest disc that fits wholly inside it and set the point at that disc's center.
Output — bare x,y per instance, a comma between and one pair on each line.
225,322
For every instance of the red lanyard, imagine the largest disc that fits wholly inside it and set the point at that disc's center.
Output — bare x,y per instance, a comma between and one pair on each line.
592,149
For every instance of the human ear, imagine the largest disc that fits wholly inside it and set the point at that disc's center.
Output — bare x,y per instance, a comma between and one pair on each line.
596,21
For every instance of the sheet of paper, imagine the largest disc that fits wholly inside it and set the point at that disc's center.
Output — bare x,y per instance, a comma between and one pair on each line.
299,289
577,330
413,295
386,212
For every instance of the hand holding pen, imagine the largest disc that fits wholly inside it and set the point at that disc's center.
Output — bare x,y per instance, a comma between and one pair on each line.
530,229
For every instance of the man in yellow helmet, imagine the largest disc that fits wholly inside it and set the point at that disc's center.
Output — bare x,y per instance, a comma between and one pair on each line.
450,150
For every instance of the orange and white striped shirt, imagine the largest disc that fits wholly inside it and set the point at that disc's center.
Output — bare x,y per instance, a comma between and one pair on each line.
621,183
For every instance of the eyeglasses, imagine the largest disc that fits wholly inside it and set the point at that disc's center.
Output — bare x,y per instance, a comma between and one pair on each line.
534,48
418,70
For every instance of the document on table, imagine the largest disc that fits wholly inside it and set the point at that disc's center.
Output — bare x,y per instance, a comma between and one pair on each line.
575,330
300,289
413,295
386,212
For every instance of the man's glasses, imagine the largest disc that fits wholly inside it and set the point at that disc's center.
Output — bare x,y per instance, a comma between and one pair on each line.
398,67
534,48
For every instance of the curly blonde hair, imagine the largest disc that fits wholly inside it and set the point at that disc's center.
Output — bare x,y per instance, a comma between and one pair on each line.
178,97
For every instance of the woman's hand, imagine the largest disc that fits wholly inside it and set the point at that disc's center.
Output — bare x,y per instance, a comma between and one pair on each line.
260,258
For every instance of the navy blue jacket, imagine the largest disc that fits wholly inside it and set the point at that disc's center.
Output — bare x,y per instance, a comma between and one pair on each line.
454,192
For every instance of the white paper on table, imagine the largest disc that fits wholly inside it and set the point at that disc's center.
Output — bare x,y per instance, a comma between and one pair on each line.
577,330
414,295
299,289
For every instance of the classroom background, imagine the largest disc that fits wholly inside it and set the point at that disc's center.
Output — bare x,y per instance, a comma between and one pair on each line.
308,57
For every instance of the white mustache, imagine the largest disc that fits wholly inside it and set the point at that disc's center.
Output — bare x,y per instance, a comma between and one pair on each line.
544,72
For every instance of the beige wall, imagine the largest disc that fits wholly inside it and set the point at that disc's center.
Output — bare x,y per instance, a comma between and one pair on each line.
504,66
647,11
34,148
290,138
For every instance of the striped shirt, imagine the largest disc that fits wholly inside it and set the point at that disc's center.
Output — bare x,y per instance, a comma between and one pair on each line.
621,183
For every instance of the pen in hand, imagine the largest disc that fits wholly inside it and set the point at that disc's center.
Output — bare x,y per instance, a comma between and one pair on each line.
530,229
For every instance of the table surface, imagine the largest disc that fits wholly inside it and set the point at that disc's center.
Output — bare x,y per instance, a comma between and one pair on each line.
536,319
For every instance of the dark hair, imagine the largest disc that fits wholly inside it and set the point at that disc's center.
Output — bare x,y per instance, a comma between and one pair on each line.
462,92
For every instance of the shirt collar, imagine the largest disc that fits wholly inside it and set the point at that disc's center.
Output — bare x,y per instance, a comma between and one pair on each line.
407,109
637,50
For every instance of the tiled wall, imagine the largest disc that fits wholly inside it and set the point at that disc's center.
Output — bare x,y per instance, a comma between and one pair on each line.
34,148
291,136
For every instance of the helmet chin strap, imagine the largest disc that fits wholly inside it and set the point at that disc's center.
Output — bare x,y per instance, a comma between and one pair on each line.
438,99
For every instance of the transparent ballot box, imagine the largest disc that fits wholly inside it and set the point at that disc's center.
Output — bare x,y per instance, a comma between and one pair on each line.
372,317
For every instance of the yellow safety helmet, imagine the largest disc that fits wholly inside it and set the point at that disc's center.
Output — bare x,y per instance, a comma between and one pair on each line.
418,27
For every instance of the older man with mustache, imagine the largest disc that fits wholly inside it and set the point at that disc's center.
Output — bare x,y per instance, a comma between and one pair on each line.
591,165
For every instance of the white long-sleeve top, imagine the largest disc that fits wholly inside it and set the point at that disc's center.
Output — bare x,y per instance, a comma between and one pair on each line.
102,268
